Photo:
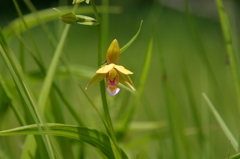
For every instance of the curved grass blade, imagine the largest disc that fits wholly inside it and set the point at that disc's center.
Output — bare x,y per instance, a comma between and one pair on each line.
236,156
133,39
43,71
47,15
24,90
226,30
93,137
221,123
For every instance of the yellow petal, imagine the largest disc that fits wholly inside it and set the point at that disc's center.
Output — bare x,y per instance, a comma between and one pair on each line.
126,81
105,69
123,70
96,78
113,53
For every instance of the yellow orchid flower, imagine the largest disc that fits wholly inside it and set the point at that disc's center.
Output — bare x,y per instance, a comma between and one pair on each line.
112,72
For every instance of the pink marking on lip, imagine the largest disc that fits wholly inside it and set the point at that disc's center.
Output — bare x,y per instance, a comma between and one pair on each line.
112,83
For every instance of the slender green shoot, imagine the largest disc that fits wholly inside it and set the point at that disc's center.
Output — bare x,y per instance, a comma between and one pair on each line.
44,94
13,103
91,136
24,91
226,30
221,122
236,156
133,39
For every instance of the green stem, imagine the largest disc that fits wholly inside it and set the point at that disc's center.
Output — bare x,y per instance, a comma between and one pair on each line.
226,30
102,84
95,11
106,110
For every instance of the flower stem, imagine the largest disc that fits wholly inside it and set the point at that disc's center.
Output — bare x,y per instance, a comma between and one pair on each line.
102,84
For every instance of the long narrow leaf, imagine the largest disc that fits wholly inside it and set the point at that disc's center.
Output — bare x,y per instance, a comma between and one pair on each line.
24,90
91,136
133,39
229,47
51,72
221,123
237,156
12,99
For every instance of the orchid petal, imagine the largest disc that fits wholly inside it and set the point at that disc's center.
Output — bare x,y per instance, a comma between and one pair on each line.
113,53
126,81
112,90
105,69
96,78
123,70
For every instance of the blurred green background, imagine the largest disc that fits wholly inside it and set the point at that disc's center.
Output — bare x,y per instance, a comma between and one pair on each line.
191,43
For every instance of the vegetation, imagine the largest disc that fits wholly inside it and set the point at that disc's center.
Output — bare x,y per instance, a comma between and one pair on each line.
185,72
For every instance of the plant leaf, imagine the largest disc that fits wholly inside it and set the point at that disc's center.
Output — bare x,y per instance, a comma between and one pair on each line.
24,90
132,40
221,123
91,136
226,30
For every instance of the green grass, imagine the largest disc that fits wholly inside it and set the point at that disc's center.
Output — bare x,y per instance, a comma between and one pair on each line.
186,103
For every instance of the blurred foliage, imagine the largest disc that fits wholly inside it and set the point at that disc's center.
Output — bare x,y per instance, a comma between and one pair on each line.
194,57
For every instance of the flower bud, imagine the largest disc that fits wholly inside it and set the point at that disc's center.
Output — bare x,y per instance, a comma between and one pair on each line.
113,53
69,18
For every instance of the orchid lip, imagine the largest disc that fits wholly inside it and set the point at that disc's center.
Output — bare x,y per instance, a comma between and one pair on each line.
112,90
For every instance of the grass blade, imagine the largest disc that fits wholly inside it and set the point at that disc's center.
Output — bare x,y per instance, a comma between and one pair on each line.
24,90
30,147
55,86
91,136
52,69
11,97
221,123
133,39
229,47
236,156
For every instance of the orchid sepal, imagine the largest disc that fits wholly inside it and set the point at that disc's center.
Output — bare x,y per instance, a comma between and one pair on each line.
96,78
126,81
113,52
